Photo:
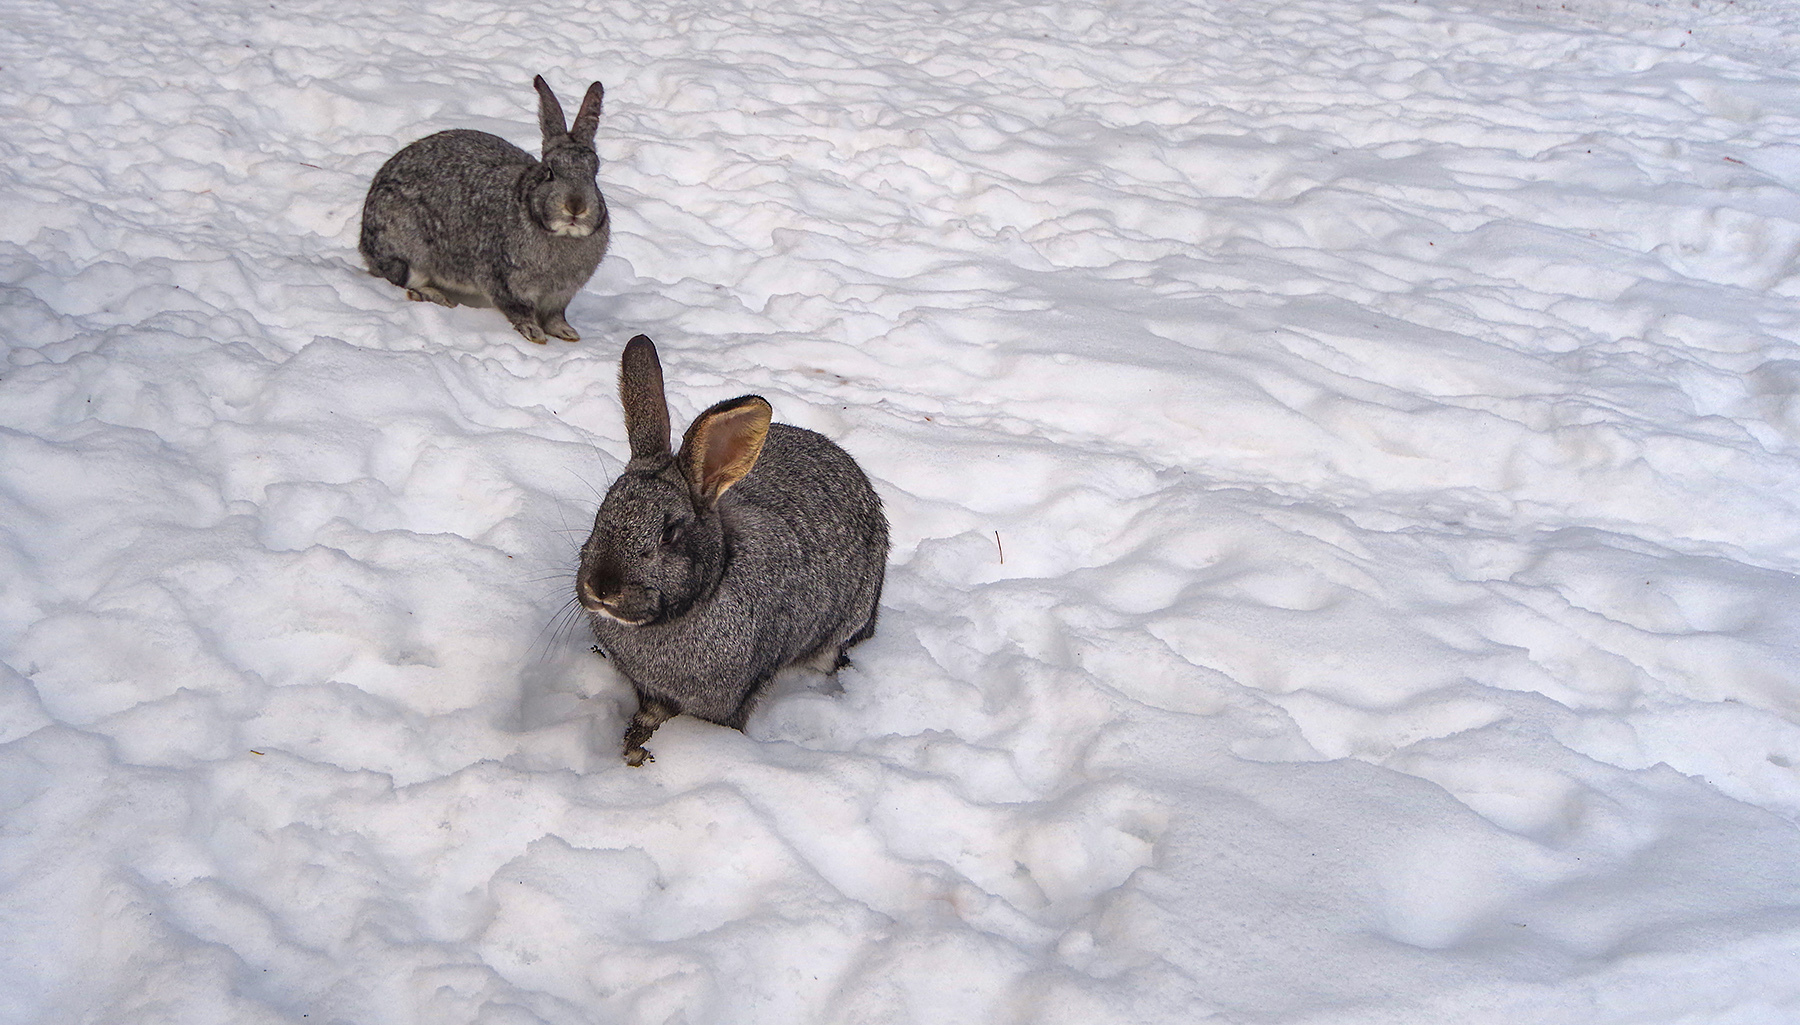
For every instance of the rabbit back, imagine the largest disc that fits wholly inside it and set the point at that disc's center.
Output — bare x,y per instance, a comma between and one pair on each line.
435,212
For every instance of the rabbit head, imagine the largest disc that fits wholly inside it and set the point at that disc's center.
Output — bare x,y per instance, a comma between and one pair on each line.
560,192
658,542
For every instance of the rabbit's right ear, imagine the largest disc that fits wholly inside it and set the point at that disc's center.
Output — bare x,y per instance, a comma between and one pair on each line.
587,119
641,393
550,115
722,445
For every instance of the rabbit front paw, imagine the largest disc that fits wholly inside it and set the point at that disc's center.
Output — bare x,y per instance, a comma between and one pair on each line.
558,327
428,294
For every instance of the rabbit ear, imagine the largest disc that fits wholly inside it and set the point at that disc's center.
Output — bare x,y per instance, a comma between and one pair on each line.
722,445
588,117
641,392
550,115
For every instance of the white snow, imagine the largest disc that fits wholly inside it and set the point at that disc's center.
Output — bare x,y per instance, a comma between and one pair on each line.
1343,459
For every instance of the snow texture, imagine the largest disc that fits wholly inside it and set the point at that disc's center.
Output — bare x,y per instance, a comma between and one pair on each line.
1343,457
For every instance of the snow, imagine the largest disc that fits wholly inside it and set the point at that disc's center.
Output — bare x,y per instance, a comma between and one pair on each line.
1343,459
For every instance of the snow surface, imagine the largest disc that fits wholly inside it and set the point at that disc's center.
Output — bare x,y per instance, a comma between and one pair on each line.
1344,462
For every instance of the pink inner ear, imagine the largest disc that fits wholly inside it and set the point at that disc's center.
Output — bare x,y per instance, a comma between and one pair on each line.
725,444
729,447
722,444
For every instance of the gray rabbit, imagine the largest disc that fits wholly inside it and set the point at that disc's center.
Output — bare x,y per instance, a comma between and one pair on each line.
467,217
755,547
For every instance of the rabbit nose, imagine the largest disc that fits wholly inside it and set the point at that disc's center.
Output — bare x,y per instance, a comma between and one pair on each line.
590,598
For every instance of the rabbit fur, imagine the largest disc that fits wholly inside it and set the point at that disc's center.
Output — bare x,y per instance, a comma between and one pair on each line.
464,217
755,547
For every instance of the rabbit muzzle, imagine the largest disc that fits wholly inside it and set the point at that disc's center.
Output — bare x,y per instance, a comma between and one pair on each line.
630,604
574,220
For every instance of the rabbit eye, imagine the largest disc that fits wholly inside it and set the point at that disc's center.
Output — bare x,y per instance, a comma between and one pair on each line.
671,531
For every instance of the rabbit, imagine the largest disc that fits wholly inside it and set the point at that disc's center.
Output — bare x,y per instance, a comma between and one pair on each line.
464,217
756,547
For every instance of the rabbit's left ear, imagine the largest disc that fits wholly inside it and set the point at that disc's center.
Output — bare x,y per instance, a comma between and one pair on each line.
588,117
641,393
722,446
550,115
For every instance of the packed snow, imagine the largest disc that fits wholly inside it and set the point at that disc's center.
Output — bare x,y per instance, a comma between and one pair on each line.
1343,460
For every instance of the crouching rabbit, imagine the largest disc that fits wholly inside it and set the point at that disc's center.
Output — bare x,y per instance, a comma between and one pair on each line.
464,217
755,547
